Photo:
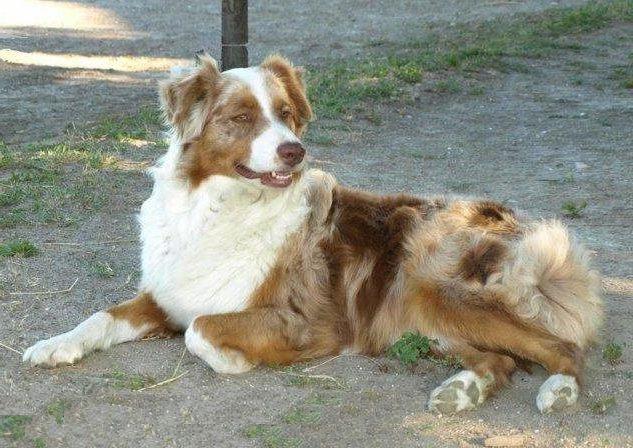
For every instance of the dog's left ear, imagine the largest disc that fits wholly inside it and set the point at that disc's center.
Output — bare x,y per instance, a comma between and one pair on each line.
292,78
187,97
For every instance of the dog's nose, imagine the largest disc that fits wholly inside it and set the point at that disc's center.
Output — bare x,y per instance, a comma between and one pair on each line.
291,153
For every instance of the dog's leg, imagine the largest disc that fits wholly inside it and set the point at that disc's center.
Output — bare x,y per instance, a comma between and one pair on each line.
484,373
236,342
485,324
128,321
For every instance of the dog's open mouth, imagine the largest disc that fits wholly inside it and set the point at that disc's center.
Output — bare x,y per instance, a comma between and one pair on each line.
278,179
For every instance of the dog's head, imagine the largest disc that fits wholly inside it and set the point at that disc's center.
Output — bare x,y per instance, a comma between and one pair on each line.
244,123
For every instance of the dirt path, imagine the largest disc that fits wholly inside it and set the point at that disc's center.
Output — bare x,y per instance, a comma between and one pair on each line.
537,139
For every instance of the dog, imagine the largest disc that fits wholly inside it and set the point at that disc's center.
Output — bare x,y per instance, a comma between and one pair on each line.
260,260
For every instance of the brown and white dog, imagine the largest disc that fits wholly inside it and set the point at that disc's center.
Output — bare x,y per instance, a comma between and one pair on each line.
260,260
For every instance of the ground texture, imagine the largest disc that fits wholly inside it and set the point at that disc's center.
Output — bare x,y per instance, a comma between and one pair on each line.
496,99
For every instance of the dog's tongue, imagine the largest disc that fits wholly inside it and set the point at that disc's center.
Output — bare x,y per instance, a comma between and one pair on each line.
278,180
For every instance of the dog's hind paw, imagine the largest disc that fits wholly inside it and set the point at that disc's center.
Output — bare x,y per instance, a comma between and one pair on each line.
460,392
557,393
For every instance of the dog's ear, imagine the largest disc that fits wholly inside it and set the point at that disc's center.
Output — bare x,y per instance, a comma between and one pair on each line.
292,78
187,97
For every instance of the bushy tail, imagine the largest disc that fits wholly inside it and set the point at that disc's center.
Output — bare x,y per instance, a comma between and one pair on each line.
552,285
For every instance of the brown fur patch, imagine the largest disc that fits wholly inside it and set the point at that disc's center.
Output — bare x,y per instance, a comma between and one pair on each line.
482,259
224,141
263,335
493,217
490,328
179,97
292,80
143,311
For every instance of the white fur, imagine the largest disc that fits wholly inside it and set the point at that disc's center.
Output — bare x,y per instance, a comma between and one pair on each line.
206,250
549,282
98,332
264,148
452,395
556,393
220,360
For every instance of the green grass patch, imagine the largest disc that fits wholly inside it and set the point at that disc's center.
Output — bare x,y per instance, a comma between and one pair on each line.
57,409
20,248
319,399
102,269
410,348
271,436
135,381
59,183
6,158
574,209
140,126
623,75
612,352
302,416
12,195
603,405
477,90
13,219
450,85
341,88
13,426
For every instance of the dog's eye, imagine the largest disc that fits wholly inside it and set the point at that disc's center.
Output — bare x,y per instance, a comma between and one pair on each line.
285,112
241,118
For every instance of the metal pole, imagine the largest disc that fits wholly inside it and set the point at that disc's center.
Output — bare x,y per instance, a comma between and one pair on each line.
234,34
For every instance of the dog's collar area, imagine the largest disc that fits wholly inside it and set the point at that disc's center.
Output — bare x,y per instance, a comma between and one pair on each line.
278,179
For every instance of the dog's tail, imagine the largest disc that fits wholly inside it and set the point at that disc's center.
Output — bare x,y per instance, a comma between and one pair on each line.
550,284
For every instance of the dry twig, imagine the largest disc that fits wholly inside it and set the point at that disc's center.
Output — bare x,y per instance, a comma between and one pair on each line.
11,348
35,293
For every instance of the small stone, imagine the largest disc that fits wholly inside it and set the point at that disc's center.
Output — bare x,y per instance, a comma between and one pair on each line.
505,441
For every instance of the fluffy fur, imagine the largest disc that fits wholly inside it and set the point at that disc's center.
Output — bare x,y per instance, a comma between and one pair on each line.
263,261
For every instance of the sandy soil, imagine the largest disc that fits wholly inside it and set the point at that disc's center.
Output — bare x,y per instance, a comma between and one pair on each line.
533,140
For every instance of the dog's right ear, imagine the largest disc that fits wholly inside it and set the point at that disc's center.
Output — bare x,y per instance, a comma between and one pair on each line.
187,99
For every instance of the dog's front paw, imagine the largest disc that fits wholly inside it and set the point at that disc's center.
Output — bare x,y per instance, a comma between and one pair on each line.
557,393
320,186
460,392
222,360
54,351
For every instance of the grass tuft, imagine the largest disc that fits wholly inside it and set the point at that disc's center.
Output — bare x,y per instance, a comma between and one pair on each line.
21,248
13,426
603,405
102,269
612,352
410,348
57,409
450,85
573,209
135,381
271,436
302,416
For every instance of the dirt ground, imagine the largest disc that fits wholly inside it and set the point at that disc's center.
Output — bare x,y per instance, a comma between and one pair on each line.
534,139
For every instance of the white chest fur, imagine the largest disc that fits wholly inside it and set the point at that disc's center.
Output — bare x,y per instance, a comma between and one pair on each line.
206,251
